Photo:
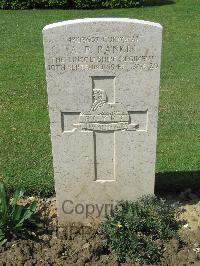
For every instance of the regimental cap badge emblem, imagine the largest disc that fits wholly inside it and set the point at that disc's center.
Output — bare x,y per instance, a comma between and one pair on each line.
105,116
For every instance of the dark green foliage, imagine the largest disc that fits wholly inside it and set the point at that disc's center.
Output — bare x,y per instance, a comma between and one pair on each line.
79,4
88,4
23,4
59,3
16,220
16,4
122,3
137,230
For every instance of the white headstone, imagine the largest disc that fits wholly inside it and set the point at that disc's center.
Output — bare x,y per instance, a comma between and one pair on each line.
103,87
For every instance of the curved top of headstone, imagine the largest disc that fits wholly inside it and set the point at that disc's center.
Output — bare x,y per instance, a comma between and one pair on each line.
89,20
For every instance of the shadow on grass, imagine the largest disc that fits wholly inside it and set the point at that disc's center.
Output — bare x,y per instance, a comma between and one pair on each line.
176,182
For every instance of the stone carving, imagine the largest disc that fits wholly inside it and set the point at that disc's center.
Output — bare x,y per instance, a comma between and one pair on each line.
104,116
103,81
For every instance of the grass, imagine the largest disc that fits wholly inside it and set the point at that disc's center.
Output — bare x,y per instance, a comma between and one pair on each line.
25,148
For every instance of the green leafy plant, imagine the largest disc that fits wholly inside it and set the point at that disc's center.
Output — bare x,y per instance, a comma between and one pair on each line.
29,4
137,230
16,220
78,4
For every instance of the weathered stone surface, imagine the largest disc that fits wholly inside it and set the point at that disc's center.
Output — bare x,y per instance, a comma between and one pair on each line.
103,89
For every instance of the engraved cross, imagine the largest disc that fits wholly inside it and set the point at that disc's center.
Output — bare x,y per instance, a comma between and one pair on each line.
105,117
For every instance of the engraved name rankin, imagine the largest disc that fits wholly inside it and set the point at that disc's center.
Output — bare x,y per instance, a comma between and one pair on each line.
104,116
